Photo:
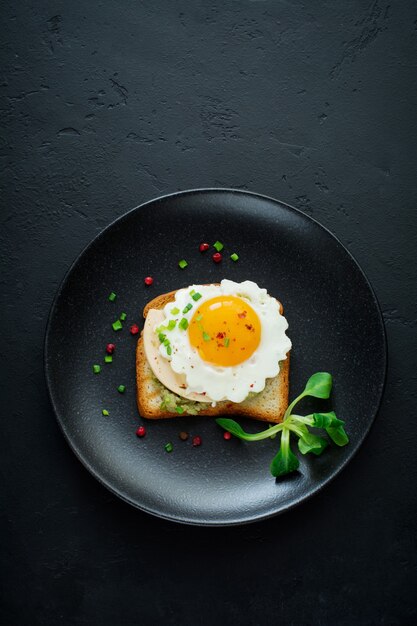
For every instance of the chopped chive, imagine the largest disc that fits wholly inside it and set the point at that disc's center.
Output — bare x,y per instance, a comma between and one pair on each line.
166,342
200,327
121,388
187,308
234,256
108,358
161,337
183,324
175,311
199,318
179,410
218,245
112,296
192,292
171,324
168,447
96,369
196,296
123,316
169,350
183,263
105,412
226,342
117,325
206,336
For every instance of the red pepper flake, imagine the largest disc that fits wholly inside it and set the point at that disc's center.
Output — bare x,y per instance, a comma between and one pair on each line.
203,393
197,441
148,280
248,326
110,348
220,335
183,435
134,329
251,385
141,431
203,247
217,257
227,435
242,315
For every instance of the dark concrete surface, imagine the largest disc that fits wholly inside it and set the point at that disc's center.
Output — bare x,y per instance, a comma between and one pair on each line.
108,104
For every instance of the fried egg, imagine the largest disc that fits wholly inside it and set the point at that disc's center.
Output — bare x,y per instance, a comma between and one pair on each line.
220,342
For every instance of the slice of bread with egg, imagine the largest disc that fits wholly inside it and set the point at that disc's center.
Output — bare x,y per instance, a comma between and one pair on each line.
213,350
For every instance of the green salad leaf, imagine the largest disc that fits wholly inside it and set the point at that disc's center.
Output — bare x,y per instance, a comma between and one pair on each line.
318,386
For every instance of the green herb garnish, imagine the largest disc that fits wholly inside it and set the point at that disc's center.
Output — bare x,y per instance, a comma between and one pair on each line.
117,325
218,245
175,311
105,412
171,324
206,336
108,358
161,337
318,386
226,342
196,296
121,388
234,256
183,324
96,369
179,410
122,317
168,447
182,264
187,308
112,296
199,318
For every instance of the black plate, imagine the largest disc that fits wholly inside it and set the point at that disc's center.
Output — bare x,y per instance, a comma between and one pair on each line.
335,325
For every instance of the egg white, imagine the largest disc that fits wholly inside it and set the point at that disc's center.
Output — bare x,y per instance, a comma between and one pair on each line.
235,382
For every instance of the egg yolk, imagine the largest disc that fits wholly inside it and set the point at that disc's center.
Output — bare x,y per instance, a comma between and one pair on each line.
225,330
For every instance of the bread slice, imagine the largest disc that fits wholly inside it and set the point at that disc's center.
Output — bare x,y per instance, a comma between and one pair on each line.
269,405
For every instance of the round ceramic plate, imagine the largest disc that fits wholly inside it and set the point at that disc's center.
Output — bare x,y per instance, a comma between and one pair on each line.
335,325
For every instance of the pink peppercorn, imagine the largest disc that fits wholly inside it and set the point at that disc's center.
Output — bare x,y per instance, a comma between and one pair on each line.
134,329
196,441
148,280
227,435
203,247
141,431
110,348
217,257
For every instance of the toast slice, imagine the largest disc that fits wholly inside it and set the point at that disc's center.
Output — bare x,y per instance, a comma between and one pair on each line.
156,402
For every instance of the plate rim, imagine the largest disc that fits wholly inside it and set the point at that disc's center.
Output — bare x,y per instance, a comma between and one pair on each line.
178,518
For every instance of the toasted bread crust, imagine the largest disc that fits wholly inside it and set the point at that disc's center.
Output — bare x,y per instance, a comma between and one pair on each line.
269,405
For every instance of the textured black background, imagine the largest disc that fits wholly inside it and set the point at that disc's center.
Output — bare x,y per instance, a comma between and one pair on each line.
108,104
